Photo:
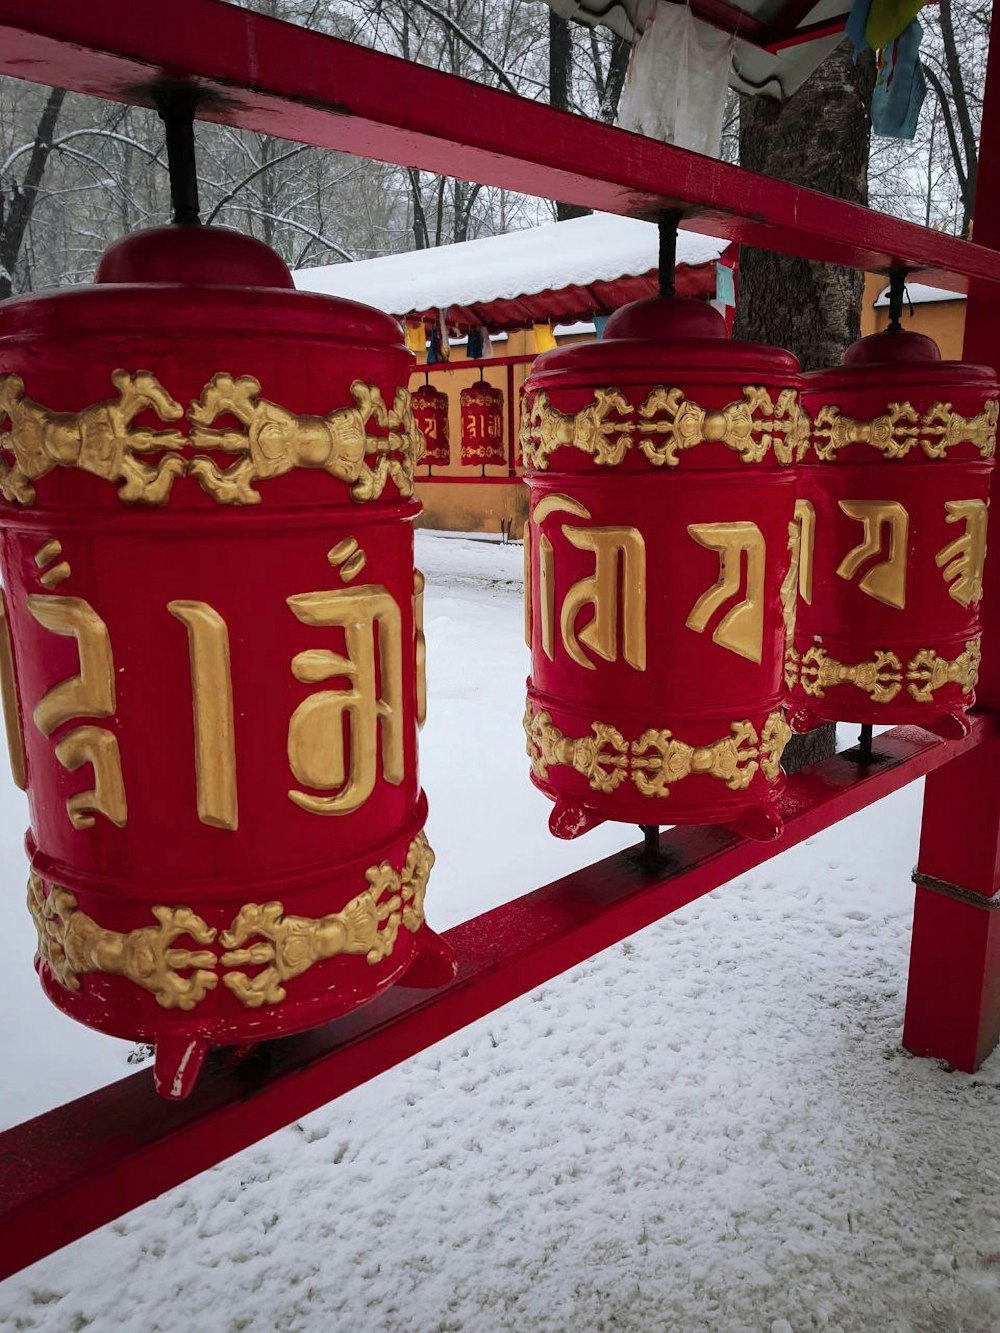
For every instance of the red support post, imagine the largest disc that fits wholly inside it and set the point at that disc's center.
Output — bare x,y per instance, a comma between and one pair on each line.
953,996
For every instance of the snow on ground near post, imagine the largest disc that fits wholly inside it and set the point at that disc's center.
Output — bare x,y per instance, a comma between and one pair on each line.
709,1127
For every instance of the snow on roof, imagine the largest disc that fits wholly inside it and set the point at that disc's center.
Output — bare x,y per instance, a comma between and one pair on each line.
918,293
576,253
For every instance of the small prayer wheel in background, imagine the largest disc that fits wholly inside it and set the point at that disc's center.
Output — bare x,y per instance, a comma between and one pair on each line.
481,412
430,415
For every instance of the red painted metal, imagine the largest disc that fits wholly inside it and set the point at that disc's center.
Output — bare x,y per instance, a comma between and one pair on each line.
430,413
953,993
272,77
219,877
480,408
78,1167
811,32
659,550
892,498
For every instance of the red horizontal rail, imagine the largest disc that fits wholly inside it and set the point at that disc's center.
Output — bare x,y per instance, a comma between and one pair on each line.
88,1162
278,79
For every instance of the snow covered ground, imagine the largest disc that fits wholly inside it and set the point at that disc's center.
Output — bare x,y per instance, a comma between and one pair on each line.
710,1127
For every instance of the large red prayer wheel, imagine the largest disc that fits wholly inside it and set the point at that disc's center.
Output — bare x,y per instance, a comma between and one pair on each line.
481,416
659,571
430,415
213,660
893,518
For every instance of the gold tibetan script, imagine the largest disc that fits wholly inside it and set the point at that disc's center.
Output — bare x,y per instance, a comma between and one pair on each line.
885,581
212,703
91,694
961,561
372,702
741,629
619,564
805,521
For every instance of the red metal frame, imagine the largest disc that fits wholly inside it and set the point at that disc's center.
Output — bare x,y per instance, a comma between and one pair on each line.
269,76
80,1166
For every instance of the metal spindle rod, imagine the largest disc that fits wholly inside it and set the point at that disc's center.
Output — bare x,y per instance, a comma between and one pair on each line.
175,105
668,224
650,842
865,744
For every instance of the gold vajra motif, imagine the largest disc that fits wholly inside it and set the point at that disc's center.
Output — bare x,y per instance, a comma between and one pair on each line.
665,425
656,759
73,944
882,678
100,440
927,672
901,428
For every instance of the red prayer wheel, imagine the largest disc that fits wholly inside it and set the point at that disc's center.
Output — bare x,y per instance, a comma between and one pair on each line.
481,412
892,514
659,571
430,415
212,654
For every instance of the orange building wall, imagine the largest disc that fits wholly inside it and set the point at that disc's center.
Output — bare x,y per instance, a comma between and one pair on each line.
944,321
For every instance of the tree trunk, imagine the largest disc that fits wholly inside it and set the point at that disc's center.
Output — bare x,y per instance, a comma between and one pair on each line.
819,138
560,82
15,213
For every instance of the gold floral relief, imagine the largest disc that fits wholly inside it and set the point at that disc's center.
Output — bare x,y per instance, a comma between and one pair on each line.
260,935
100,439
656,759
901,428
664,426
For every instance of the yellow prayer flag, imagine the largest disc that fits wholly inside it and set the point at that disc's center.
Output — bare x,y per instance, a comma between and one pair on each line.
544,337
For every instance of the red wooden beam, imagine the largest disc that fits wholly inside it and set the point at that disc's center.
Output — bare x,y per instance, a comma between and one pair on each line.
272,77
79,1167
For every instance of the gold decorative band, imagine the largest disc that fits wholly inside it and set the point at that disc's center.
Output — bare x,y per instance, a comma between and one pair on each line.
882,677
656,759
901,429
73,944
100,440
665,425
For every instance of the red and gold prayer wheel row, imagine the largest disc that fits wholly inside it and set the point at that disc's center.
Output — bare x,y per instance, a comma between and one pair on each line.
715,538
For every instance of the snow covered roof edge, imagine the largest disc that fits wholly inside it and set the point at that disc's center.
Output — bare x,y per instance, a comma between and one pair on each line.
576,253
